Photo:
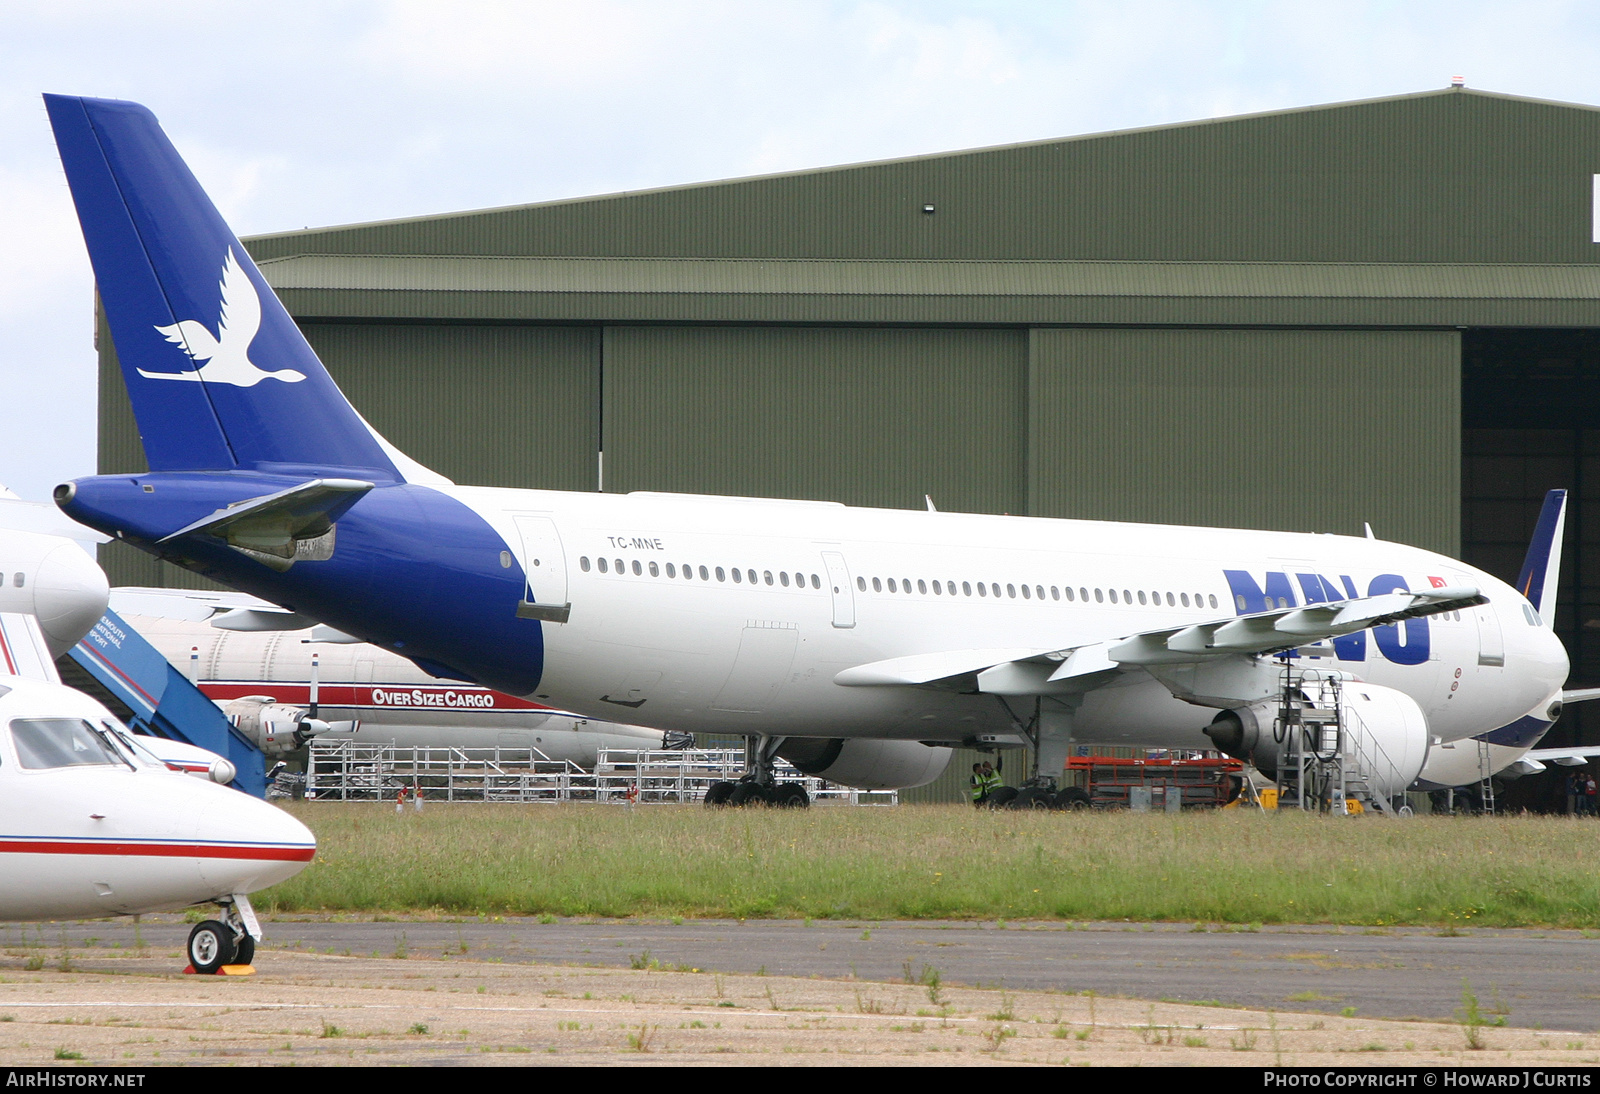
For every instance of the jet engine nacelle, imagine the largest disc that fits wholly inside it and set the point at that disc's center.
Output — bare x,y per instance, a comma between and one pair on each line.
867,765
277,728
1385,736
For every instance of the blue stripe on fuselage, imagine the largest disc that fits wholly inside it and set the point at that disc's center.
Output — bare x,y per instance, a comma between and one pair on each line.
423,567
1525,732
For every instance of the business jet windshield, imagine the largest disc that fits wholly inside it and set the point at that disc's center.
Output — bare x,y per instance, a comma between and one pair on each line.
859,643
45,743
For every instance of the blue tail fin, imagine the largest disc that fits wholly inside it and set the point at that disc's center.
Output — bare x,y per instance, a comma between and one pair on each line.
1541,569
219,375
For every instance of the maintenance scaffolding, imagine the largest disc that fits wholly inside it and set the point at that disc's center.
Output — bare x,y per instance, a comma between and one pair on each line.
346,771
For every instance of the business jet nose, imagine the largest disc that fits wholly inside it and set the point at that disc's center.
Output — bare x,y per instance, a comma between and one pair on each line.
254,844
69,596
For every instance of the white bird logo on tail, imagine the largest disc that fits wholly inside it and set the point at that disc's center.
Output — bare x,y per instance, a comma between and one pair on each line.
224,359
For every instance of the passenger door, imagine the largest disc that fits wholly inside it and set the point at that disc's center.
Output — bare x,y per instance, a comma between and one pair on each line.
844,597
544,562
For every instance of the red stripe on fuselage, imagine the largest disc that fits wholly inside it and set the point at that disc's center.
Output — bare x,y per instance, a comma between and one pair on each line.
281,853
359,696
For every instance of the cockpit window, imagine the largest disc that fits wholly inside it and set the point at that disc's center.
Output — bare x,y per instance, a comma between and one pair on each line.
60,742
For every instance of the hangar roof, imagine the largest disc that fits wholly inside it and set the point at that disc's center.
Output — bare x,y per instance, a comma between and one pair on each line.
1452,176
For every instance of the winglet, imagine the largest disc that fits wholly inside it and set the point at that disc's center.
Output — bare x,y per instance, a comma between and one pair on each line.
1541,569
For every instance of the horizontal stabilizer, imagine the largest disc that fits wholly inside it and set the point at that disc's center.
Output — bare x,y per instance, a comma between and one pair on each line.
23,649
1566,757
279,528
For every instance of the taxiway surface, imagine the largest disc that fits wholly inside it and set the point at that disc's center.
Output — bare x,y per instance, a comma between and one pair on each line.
1535,979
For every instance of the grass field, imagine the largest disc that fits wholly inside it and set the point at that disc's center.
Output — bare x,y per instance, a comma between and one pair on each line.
947,862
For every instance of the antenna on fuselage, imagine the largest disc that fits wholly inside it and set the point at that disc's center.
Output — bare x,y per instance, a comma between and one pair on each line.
929,499
1368,528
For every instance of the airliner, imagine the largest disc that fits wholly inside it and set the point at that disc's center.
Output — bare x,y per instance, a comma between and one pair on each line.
859,644
95,821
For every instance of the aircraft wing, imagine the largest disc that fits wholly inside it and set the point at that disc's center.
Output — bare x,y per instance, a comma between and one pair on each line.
1076,668
1288,628
1580,695
27,516
261,619
945,667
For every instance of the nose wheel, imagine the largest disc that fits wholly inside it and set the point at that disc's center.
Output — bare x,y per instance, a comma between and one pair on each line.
214,944
211,946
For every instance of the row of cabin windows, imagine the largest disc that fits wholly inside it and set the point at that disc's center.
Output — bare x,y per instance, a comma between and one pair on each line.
1037,592
783,577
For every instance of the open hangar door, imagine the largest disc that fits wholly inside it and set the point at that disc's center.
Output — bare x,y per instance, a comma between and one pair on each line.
1530,422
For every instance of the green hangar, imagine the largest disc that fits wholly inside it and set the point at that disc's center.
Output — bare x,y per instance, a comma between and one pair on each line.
1384,311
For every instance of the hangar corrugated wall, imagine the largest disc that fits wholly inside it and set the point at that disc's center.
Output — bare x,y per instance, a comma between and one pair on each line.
1252,321
1287,429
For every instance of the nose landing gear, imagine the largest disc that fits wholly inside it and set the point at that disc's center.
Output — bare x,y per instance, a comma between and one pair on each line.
226,947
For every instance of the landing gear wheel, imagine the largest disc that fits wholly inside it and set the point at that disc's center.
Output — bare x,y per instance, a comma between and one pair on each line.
792,796
1074,798
1032,797
719,793
211,946
245,954
1001,797
748,794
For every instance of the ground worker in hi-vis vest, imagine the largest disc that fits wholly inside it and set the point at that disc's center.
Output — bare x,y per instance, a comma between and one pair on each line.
979,785
985,781
991,778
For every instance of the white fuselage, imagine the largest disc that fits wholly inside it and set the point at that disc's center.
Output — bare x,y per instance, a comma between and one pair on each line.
114,838
664,623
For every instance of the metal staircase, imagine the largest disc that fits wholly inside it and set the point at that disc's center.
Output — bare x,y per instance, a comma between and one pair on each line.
1325,761
114,660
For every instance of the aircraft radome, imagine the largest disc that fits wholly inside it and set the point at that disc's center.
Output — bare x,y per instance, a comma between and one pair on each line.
95,821
856,643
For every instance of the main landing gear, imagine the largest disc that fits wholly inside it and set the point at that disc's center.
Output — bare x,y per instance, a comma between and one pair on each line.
758,785
230,943
1039,796
1049,730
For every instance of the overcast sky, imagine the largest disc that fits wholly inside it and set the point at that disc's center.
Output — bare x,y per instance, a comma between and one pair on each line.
302,114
